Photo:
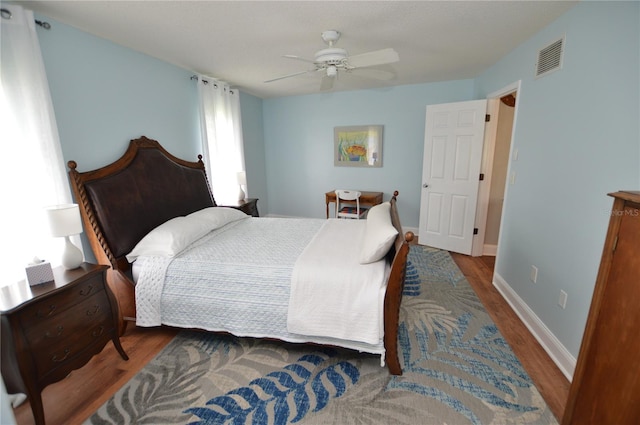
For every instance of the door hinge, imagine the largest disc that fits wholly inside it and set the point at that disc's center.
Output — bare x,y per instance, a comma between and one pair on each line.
481,176
475,231
487,118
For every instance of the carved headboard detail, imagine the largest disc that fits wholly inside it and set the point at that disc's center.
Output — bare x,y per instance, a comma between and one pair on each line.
121,202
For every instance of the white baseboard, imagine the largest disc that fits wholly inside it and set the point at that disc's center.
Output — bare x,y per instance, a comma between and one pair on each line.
490,250
558,353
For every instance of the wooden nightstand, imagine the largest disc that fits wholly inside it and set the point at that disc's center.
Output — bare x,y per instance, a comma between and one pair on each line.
248,206
50,329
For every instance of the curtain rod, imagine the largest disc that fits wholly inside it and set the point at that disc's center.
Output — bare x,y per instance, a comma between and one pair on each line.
6,14
195,77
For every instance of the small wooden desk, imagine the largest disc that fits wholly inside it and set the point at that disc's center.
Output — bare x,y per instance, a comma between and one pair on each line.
366,198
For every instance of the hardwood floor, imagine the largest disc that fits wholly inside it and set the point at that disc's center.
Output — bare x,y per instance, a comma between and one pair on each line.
549,380
75,398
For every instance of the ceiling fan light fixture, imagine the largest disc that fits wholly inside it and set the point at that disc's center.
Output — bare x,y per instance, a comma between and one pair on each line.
332,71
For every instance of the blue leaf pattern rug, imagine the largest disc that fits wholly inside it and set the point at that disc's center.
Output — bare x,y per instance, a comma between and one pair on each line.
457,369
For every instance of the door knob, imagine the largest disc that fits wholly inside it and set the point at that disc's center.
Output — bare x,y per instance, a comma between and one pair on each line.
425,185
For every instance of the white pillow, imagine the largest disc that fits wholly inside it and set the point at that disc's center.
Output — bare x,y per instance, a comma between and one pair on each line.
218,216
170,238
379,234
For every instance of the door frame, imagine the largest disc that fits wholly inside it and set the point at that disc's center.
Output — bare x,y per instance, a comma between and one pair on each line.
486,167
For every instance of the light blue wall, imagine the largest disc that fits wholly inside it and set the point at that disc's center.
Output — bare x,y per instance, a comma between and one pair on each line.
298,135
577,135
105,95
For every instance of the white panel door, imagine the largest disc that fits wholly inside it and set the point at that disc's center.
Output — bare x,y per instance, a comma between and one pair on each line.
454,134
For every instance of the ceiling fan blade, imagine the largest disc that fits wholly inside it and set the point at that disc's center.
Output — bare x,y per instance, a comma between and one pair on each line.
372,73
326,83
298,58
289,75
377,57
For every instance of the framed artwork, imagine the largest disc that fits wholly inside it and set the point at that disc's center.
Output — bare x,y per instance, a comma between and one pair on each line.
357,146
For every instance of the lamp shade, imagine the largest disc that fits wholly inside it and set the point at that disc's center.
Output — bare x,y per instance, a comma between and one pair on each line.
242,178
64,220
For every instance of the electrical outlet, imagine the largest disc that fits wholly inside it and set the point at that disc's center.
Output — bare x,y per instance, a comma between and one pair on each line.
562,300
534,274
515,154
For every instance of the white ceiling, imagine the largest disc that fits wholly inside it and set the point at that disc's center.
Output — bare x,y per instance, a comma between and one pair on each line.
242,42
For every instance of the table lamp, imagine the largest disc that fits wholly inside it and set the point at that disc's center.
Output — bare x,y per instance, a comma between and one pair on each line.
64,221
242,181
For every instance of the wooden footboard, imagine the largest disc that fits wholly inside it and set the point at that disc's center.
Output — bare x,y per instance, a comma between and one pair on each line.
395,286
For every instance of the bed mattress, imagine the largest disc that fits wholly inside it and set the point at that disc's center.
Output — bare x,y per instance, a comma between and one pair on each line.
250,263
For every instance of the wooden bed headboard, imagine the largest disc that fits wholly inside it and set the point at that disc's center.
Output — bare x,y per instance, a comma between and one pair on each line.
123,201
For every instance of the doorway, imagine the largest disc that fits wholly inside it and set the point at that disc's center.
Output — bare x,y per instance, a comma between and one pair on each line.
499,173
502,106
482,230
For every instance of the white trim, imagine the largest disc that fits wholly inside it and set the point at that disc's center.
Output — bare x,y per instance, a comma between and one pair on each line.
558,353
490,250
487,164
515,86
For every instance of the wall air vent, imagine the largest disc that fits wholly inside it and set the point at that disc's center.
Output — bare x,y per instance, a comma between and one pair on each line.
550,58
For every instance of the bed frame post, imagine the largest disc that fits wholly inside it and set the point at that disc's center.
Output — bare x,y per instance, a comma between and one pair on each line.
393,295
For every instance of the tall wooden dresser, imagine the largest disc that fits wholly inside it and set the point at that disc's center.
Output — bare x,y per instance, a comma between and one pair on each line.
606,383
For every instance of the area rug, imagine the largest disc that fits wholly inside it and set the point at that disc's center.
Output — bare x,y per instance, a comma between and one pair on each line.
458,369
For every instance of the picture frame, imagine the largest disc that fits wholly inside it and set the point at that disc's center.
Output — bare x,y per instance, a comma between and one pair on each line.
357,146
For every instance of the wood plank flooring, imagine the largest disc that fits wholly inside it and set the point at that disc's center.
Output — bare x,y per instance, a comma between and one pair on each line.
549,380
75,398
72,400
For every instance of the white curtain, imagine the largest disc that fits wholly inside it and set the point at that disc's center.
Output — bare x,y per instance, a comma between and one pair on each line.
33,174
221,138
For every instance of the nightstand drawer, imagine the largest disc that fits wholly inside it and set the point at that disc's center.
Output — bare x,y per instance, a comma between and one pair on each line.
51,329
68,324
65,351
58,303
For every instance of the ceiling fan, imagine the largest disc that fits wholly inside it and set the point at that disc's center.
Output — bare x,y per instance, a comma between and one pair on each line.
331,60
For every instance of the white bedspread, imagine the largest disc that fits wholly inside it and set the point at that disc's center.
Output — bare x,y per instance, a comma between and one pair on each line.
332,294
237,279
149,274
